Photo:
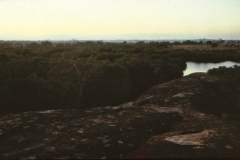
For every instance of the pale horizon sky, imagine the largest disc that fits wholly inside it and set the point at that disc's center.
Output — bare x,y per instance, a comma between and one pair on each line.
120,18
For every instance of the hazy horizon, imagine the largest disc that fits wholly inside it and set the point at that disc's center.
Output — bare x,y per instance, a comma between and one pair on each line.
119,19
9,37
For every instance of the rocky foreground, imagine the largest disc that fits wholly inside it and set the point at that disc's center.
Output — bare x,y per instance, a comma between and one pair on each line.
195,116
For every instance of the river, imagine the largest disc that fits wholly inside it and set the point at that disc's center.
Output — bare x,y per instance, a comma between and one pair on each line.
204,67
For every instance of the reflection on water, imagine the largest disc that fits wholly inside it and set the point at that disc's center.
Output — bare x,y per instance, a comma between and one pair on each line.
204,67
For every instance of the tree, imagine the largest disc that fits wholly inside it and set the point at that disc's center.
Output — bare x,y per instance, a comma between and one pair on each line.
46,43
176,42
209,42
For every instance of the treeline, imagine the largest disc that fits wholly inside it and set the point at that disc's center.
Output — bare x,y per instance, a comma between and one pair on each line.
231,73
207,56
81,75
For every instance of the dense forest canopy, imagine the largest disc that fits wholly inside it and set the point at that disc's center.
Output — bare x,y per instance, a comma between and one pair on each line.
88,74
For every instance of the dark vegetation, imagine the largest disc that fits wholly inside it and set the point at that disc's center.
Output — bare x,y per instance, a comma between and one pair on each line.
231,73
85,74
213,56
89,74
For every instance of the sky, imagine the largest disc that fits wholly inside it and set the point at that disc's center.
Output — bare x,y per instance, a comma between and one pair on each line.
119,19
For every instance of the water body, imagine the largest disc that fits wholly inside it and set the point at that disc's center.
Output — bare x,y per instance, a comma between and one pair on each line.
204,67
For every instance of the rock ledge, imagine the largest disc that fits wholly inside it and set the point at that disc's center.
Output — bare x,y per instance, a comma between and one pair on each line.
194,116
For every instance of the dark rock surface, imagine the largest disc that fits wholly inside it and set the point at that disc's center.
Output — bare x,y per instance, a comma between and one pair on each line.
195,116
